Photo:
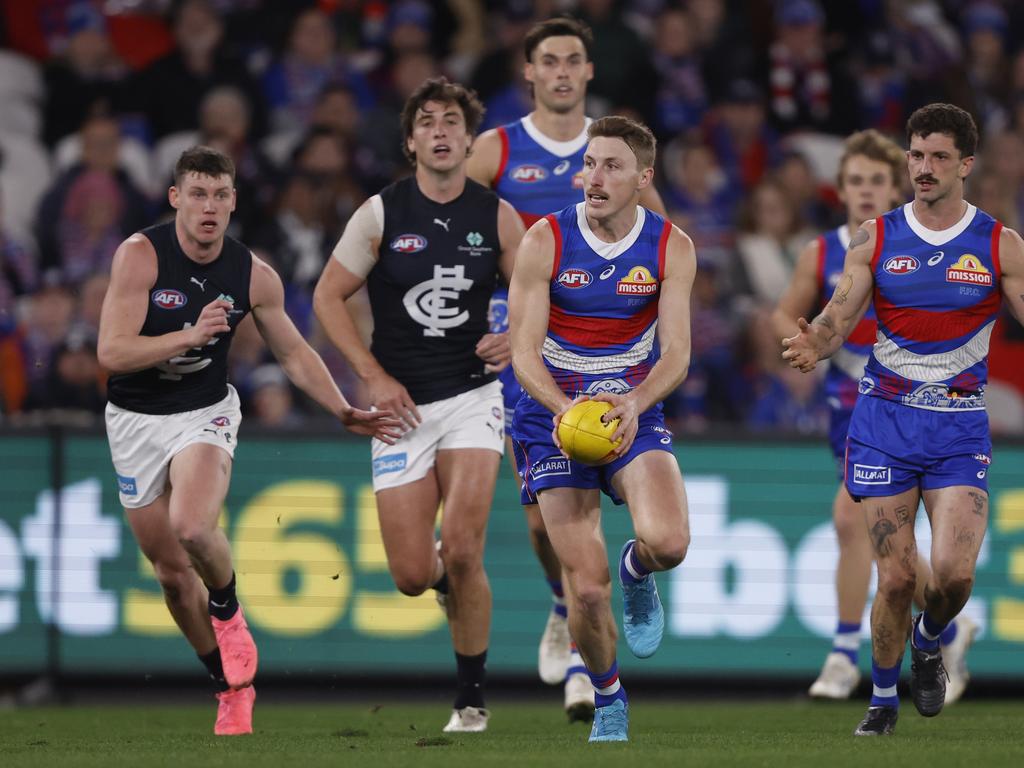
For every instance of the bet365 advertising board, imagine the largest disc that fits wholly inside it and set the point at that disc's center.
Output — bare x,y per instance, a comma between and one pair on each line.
754,595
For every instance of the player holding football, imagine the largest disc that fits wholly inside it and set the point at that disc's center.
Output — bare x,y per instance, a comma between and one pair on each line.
936,268
177,293
430,248
870,170
598,289
536,164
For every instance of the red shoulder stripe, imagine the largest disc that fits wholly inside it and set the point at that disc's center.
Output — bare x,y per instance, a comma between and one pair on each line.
504,156
997,230
557,232
662,248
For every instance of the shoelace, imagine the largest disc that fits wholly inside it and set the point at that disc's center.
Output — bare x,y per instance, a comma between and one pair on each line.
612,719
639,604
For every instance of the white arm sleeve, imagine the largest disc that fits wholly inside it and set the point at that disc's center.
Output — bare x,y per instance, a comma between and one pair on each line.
355,250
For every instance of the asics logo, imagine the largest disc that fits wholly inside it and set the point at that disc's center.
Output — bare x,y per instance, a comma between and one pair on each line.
561,168
607,272
936,258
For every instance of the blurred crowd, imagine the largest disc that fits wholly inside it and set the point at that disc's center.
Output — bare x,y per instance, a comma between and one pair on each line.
750,100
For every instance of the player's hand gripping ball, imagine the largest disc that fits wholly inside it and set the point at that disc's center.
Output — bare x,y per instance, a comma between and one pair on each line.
584,437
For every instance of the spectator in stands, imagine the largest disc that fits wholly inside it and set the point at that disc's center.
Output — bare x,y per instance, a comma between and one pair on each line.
738,132
170,90
882,85
292,85
817,203
986,26
623,74
17,280
90,302
80,244
273,404
808,85
47,323
772,234
790,403
497,77
681,97
90,75
74,380
700,199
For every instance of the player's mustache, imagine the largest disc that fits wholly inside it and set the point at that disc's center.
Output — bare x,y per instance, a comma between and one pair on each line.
929,179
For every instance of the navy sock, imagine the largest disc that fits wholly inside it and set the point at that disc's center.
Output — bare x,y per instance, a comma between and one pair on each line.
213,665
883,685
470,673
223,602
607,687
926,633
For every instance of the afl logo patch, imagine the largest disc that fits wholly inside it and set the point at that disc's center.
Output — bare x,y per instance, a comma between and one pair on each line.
575,278
528,174
168,298
409,243
901,265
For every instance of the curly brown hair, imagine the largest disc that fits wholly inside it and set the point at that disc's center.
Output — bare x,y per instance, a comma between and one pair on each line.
441,90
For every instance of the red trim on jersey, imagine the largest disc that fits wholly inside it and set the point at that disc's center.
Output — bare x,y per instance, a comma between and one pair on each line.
924,325
662,248
866,332
879,242
601,331
557,232
997,230
504,156
823,299
529,219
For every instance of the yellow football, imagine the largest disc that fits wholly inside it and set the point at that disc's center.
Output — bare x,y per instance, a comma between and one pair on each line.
584,437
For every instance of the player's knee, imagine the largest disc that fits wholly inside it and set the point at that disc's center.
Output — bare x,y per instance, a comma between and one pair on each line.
175,581
462,555
953,584
412,582
191,534
849,526
896,585
593,597
670,551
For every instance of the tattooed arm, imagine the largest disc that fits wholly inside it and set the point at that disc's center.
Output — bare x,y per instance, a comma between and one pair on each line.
1011,263
821,337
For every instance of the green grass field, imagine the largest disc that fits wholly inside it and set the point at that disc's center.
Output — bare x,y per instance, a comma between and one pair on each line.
980,734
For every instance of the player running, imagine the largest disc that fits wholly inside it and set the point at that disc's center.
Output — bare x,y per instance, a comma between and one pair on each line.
936,268
599,289
870,171
430,248
177,293
536,164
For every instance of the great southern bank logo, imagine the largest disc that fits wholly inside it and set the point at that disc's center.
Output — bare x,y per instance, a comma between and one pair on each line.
394,462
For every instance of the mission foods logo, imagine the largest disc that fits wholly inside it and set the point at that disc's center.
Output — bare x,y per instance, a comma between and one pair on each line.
575,278
168,298
969,269
638,282
409,243
901,265
528,174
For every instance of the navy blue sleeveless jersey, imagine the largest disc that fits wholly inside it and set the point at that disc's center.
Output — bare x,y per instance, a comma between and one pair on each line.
198,378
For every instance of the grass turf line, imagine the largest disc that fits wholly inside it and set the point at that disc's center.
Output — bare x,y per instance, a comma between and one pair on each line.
781,733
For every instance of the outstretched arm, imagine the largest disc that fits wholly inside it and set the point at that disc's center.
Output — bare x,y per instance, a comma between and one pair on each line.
353,258
824,335
301,362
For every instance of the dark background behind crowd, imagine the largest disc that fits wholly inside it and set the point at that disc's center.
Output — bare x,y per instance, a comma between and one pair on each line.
750,100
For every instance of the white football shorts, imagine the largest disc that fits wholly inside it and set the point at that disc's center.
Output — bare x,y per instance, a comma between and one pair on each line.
474,419
142,444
